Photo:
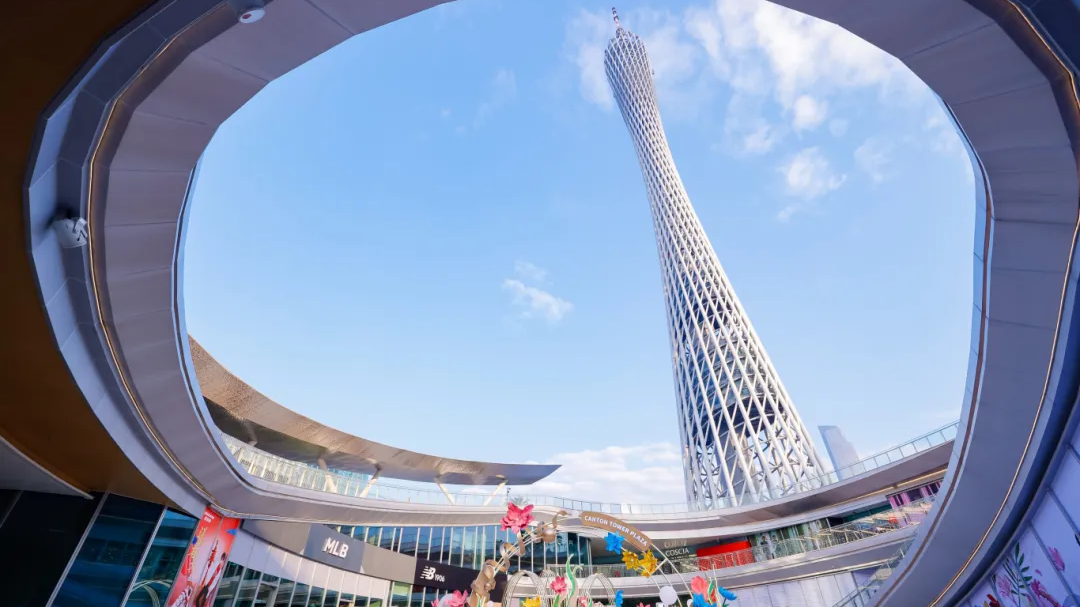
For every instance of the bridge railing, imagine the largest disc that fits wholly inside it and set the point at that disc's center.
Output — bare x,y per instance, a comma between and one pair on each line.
280,470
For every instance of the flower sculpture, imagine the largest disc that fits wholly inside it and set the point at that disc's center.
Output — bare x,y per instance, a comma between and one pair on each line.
531,602
629,559
614,542
618,598
517,518
726,594
558,585
458,599
647,564
698,585
1055,558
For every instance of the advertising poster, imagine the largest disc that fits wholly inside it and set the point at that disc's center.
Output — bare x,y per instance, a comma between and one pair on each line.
204,562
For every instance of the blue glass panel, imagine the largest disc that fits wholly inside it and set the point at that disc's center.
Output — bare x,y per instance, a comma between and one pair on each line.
106,563
163,560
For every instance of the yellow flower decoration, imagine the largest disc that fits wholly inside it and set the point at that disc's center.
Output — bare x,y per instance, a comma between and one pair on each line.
629,559
647,564
531,602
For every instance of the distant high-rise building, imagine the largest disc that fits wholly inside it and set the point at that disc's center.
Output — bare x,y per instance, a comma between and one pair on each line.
741,436
841,452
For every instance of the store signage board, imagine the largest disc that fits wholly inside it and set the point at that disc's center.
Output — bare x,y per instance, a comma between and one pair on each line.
631,534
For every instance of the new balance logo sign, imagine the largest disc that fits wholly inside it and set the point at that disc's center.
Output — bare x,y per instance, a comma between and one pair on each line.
336,547
428,573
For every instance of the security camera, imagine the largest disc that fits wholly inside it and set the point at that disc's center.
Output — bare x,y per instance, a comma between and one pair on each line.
248,11
71,232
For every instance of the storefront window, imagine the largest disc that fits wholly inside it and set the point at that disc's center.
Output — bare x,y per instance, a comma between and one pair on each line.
300,595
284,593
422,541
265,596
163,560
315,598
399,594
110,554
331,599
230,580
250,583
346,600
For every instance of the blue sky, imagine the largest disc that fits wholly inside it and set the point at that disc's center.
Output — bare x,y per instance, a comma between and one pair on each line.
436,235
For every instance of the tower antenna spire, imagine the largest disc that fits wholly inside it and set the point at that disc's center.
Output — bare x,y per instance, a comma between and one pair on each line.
616,16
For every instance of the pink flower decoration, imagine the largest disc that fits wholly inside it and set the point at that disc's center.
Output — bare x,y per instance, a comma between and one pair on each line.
458,599
1004,590
1055,558
558,585
698,585
517,518
642,605
435,603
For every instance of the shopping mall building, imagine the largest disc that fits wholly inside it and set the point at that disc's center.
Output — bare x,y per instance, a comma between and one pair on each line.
136,470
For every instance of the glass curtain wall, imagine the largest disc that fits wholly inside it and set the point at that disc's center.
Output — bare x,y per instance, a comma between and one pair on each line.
470,546
245,587
162,561
39,532
110,554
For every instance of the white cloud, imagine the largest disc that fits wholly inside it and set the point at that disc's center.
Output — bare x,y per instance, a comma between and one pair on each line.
586,38
746,129
445,112
530,271
644,474
674,58
808,113
873,157
761,140
755,47
808,176
537,303
837,127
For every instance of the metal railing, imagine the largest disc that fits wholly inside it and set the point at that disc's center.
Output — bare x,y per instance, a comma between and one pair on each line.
907,516
280,470
863,595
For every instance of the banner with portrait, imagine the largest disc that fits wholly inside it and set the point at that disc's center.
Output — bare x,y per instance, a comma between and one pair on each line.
204,562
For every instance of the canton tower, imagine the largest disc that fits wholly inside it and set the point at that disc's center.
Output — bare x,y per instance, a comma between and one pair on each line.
742,439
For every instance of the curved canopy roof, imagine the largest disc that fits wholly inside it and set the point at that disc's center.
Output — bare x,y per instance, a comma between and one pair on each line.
245,413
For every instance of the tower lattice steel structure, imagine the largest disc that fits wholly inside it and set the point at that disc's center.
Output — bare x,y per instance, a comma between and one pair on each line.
742,438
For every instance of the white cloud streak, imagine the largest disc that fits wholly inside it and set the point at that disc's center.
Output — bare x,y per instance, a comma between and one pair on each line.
873,158
532,301
808,175
529,271
808,113
644,474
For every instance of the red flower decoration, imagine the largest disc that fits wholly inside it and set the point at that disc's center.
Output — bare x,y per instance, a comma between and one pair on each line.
517,518
558,585
458,599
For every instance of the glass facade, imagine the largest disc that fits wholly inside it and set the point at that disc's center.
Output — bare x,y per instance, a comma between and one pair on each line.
39,532
106,551
470,546
162,561
246,587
